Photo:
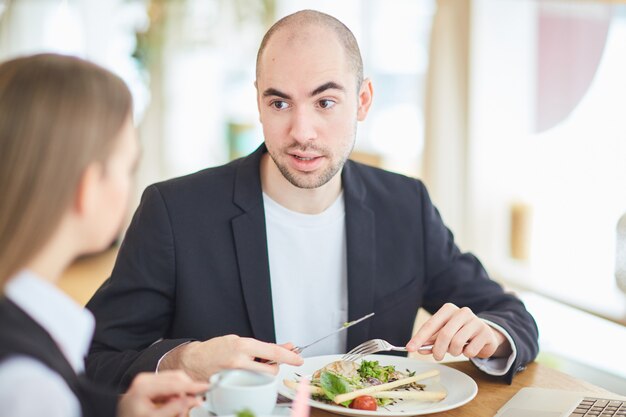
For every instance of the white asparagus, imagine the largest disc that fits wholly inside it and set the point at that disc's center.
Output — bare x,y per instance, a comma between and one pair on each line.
402,395
412,395
384,387
290,383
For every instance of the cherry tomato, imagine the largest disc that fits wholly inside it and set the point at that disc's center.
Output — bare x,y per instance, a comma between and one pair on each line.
364,402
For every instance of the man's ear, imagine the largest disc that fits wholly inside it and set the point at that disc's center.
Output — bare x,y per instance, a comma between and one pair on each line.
366,93
87,189
258,100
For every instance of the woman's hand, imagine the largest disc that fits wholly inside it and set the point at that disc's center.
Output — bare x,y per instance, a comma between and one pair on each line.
167,394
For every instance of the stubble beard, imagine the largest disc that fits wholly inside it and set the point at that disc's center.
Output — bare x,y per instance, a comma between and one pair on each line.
312,180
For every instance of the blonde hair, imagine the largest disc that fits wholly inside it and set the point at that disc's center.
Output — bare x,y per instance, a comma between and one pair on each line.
58,114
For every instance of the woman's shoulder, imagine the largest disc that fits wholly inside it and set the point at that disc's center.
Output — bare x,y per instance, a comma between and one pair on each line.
30,388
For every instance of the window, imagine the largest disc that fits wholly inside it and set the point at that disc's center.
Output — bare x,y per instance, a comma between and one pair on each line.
211,115
101,31
548,146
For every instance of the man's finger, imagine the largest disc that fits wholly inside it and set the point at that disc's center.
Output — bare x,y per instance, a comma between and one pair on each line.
431,326
465,334
261,367
480,346
288,345
272,352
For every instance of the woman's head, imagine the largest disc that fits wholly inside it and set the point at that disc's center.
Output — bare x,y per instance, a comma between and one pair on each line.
66,146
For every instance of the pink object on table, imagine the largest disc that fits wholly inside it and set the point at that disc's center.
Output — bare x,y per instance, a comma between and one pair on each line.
301,407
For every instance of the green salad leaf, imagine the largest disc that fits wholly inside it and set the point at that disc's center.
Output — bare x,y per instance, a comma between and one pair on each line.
333,385
381,402
371,369
245,413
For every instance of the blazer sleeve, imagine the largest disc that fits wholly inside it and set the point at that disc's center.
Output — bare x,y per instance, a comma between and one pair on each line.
460,278
134,307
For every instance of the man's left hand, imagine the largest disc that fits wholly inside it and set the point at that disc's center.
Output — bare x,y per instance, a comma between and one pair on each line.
459,331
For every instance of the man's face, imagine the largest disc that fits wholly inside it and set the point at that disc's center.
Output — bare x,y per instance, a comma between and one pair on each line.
309,105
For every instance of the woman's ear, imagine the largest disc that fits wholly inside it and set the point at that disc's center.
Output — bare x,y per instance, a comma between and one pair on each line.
87,192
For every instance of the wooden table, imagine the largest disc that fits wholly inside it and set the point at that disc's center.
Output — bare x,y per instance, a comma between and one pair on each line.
493,393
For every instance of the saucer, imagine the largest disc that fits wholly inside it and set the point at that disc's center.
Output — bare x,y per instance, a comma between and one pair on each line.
202,411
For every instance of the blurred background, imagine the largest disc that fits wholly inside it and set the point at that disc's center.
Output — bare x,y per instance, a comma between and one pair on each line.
512,111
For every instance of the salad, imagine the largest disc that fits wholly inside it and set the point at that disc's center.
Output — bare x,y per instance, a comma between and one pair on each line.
368,385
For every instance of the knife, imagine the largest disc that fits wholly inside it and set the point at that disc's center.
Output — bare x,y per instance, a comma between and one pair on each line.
299,349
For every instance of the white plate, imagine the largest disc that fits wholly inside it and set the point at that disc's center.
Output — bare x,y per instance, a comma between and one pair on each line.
461,388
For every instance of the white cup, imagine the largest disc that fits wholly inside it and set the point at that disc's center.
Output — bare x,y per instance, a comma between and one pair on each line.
236,390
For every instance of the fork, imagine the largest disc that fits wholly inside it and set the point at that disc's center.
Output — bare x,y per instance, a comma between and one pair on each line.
373,346
369,347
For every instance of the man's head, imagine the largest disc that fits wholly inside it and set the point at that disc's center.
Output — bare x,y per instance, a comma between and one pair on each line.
312,17
310,93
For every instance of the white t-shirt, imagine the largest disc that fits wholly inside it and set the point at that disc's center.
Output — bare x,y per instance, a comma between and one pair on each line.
308,269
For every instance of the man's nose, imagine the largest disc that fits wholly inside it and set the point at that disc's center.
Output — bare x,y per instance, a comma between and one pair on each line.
303,126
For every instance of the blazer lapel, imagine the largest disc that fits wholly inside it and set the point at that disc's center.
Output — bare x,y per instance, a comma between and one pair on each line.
360,236
251,246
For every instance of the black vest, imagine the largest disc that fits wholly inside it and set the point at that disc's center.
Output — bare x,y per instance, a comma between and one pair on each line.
21,335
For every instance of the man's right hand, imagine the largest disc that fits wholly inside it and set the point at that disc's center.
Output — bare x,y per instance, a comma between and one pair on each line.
200,360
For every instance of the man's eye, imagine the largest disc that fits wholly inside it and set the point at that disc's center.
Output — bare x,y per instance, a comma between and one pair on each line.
280,105
326,103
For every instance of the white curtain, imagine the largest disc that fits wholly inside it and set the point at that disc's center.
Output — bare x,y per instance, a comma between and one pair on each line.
446,113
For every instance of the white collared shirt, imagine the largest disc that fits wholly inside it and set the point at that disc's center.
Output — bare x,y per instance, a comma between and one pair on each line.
29,388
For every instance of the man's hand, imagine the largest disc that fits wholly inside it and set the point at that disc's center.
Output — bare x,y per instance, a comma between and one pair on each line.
450,328
200,360
167,394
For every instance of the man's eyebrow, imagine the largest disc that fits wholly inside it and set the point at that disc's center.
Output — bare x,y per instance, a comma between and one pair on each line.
326,86
275,92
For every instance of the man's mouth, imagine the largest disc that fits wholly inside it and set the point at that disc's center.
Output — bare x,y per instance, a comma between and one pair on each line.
305,158
306,162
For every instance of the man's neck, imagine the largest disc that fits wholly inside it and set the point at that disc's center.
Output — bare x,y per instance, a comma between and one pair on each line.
301,200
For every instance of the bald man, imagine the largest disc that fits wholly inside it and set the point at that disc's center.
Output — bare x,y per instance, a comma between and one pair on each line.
290,242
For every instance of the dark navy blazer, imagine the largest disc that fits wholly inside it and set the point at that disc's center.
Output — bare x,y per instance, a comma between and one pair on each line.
194,265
